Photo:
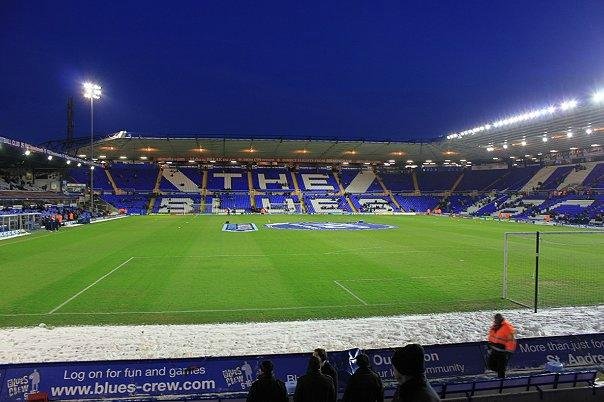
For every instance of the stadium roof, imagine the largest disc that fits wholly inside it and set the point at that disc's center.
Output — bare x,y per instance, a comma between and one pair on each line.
560,128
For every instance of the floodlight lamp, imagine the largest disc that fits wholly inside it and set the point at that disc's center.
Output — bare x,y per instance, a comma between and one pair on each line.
91,167
490,149
569,134
598,97
27,152
569,104
523,143
544,139
589,130
68,162
505,146
49,157
91,90
79,164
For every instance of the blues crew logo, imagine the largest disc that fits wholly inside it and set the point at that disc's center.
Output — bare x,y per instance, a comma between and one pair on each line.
239,227
360,225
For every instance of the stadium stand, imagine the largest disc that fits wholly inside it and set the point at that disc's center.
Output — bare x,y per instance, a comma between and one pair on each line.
595,179
82,176
359,181
397,181
437,180
135,204
134,176
274,178
180,179
420,203
227,179
316,179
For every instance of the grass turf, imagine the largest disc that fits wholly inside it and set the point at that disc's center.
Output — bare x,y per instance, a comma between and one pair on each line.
184,269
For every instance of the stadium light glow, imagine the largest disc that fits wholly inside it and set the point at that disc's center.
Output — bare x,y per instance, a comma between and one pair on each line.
523,143
544,138
81,155
68,162
573,148
490,148
344,163
495,158
391,161
91,167
569,104
102,156
27,152
91,90
589,130
143,157
505,146
569,134
123,157
49,157
598,97
79,164
595,145
233,162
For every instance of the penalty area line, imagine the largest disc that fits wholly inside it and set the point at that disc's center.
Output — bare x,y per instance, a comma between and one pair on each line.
350,292
91,285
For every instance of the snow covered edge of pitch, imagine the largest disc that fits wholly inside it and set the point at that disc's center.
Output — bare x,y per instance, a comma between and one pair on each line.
172,341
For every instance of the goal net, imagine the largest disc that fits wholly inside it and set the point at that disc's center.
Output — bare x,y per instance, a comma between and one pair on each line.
550,269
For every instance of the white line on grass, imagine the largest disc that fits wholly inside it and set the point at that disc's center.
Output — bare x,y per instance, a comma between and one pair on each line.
24,240
350,292
234,310
91,285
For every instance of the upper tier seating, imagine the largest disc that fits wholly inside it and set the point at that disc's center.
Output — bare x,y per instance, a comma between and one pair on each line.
359,181
134,176
596,178
557,177
232,179
513,179
316,179
186,179
273,178
397,181
441,180
480,179
81,175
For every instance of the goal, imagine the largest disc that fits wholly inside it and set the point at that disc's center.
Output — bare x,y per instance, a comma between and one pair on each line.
552,269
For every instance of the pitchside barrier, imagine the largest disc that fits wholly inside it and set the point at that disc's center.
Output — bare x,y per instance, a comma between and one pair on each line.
231,377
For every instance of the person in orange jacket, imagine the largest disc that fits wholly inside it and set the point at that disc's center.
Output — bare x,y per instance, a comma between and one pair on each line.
502,343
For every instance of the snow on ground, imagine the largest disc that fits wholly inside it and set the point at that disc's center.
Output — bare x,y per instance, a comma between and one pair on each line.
170,341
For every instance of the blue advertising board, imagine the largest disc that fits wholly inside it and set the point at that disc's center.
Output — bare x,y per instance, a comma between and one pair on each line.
213,376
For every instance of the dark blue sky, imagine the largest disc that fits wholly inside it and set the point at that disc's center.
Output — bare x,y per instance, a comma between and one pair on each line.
348,69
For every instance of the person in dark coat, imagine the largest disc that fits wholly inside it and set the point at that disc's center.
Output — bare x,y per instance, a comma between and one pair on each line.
267,388
409,370
326,367
314,386
364,385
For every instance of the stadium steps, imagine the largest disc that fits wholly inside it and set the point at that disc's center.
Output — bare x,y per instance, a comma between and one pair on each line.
350,204
415,183
540,177
116,190
151,204
160,174
381,183
252,193
298,192
457,182
204,182
340,186
497,180
576,177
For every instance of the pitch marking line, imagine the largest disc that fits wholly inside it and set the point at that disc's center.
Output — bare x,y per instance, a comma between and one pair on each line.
351,293
91,285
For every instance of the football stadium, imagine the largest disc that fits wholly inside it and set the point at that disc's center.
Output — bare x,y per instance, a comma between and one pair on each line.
145,266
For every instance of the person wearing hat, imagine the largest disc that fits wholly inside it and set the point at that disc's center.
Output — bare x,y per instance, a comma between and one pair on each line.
314,386
410,373
364,385
267,388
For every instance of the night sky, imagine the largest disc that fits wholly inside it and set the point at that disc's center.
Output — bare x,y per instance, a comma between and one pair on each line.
372,69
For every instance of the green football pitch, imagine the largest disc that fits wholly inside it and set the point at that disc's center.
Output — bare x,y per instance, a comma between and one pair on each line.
185,269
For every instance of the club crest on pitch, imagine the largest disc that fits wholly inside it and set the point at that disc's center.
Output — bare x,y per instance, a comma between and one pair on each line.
239,227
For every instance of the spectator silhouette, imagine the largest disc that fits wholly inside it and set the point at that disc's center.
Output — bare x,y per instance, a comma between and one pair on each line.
314,386
364,385
267,388
409,370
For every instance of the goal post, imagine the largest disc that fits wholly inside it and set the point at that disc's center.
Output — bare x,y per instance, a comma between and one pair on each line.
552,269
